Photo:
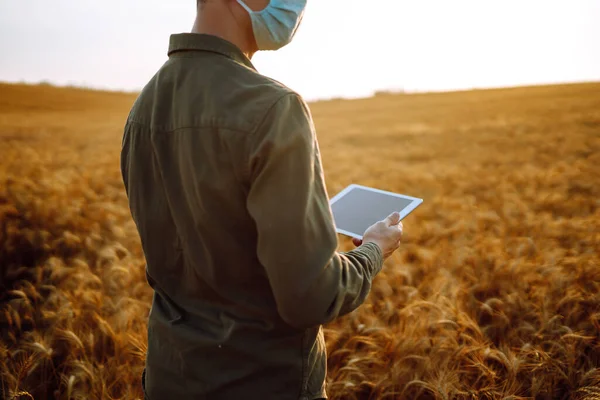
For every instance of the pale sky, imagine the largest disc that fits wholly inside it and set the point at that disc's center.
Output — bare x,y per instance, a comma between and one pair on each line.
344,48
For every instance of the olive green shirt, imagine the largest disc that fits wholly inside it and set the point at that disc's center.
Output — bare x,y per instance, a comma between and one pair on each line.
223,175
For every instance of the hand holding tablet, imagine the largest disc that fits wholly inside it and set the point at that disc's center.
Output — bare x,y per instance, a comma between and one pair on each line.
386,234
356,208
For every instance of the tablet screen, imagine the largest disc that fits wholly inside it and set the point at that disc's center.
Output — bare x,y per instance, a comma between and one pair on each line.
357,207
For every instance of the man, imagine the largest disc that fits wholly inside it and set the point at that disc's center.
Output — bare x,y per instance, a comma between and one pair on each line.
223,175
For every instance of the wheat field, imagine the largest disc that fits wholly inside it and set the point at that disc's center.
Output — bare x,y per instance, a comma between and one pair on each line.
494,293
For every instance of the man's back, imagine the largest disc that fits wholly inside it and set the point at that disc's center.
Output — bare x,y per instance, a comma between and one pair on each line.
235,248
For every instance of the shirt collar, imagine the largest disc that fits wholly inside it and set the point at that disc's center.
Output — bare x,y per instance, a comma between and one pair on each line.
203,42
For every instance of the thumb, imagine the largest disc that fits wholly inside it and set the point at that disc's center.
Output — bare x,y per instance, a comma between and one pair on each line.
393,219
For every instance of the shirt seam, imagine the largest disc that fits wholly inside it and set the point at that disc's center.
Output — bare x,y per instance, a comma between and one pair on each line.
166,131
269,109
252,133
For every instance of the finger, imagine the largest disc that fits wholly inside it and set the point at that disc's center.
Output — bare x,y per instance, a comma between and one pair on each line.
393,219
357,242
400,230
400,227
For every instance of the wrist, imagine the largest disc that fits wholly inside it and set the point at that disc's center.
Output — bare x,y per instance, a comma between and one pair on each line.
375,244
376,250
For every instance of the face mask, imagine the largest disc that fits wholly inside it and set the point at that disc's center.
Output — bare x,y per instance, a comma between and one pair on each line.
276,25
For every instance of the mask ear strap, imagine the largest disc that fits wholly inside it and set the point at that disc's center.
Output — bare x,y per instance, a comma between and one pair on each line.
250,11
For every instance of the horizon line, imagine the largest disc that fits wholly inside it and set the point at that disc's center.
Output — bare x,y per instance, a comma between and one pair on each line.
374,93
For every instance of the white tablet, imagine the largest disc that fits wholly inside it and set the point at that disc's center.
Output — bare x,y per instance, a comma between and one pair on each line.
358,207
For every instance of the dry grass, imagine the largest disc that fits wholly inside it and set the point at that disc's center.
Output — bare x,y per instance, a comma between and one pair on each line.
494,294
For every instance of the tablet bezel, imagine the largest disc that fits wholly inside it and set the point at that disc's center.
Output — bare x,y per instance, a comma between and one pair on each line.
415,202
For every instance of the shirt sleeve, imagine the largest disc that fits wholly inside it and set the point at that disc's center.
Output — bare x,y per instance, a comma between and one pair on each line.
312,283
